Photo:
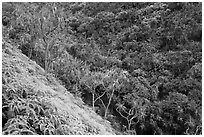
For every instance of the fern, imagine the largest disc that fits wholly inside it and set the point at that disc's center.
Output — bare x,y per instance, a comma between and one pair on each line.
29,115
26,132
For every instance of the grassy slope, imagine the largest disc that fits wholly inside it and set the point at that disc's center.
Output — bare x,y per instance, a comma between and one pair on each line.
29,75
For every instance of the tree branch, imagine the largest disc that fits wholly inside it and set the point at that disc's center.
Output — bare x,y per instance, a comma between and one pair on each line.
100,96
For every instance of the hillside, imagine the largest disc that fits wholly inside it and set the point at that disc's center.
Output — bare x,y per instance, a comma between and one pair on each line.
137,66
27,82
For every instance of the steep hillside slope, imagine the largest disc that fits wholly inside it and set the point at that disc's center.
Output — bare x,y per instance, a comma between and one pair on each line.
138,64
25,82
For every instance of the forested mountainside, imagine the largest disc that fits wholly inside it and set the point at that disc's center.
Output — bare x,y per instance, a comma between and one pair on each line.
137,65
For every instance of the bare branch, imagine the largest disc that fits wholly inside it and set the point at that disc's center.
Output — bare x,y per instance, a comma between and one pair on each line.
100,96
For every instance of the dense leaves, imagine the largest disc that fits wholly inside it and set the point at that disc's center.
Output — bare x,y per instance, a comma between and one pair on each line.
25,112
138,65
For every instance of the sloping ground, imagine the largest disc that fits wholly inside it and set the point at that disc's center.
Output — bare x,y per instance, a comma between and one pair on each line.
80,119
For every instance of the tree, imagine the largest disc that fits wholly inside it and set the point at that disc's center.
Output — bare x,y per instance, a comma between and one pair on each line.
42,22
91,81
137,110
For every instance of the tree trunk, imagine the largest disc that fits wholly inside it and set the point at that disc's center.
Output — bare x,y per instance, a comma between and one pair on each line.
129,125
30,52
93,101
32,45
46,60
105,116
46,55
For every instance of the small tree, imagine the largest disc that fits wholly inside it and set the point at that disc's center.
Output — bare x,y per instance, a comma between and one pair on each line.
42,22
113,80
91,81
136,112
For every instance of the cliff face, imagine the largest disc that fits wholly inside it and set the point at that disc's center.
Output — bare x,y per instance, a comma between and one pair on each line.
28,78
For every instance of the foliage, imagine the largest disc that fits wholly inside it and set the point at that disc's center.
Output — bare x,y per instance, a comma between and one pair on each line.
28,113
137,64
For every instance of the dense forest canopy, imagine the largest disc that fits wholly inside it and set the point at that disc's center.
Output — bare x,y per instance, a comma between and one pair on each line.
137,64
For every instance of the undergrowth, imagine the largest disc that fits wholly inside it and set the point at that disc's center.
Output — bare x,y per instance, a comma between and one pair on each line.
27,113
